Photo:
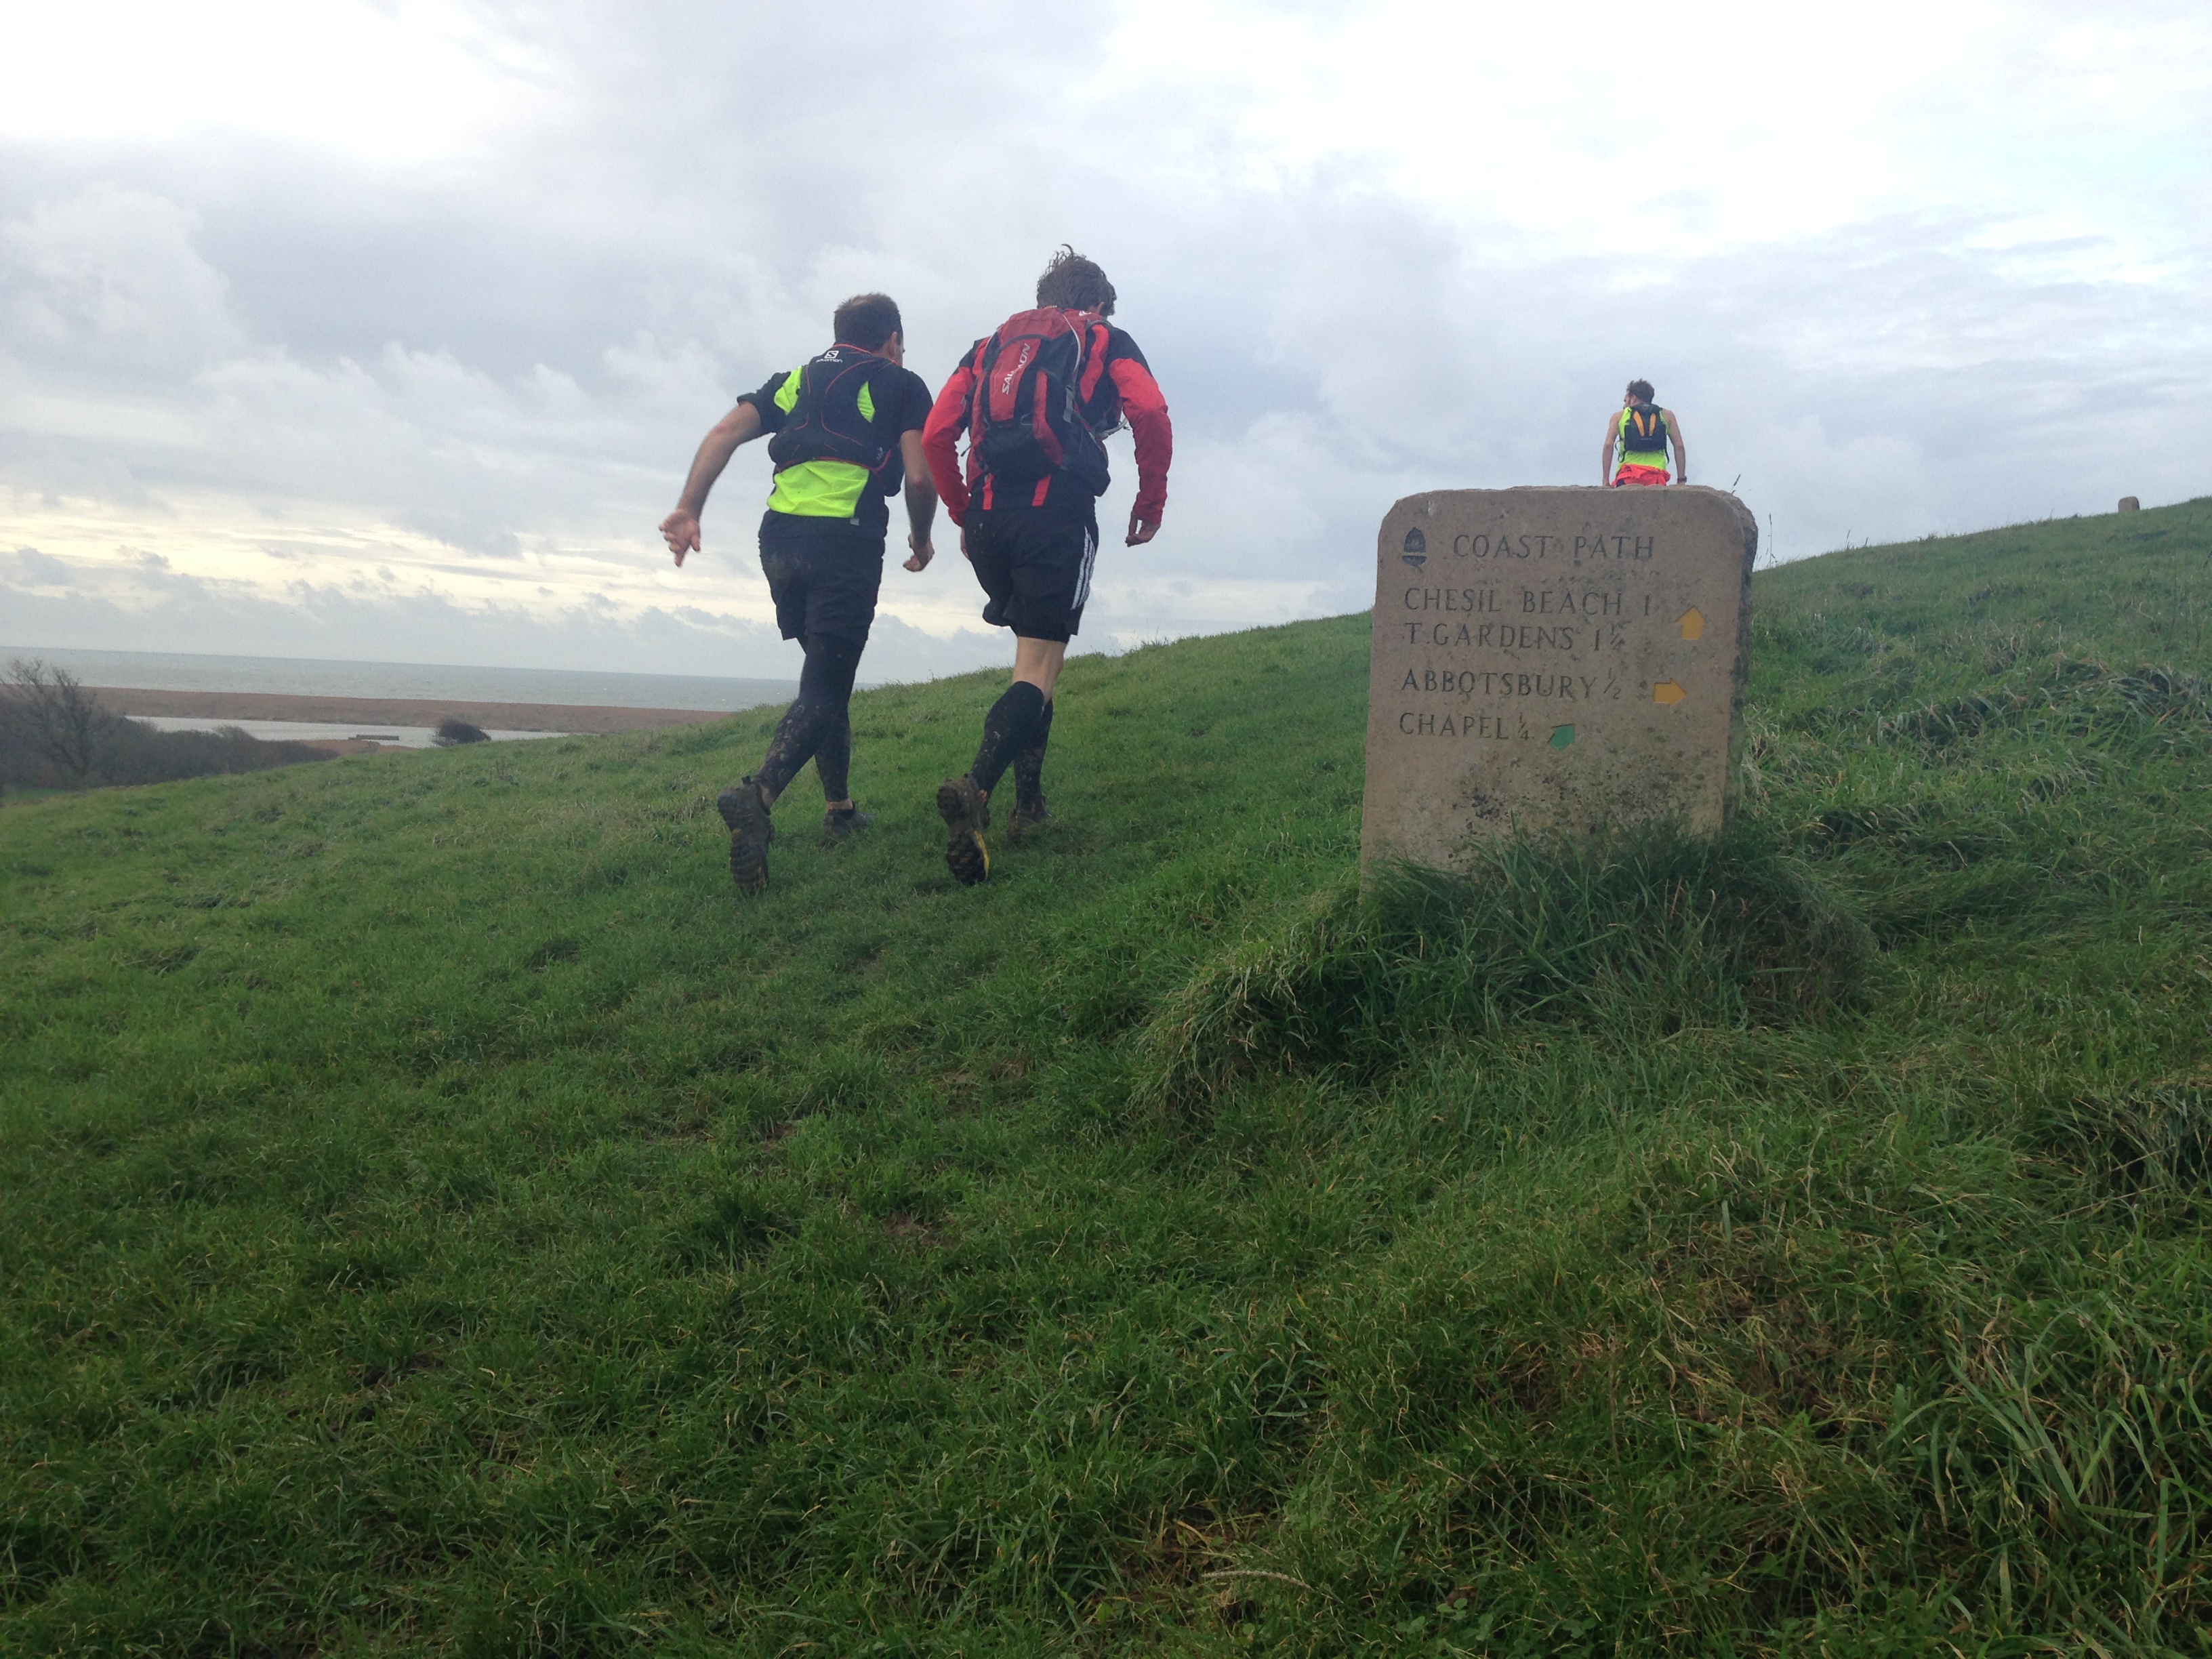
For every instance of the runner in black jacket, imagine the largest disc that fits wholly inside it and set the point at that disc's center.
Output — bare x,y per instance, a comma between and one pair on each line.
847,430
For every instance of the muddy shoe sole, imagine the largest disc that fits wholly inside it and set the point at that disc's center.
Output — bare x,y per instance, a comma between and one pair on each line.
751,829
961,805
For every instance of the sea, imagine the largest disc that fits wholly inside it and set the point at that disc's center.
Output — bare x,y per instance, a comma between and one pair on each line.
193,671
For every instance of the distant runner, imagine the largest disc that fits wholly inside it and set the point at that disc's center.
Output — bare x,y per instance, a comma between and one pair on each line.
1036,400
1642,430
847,430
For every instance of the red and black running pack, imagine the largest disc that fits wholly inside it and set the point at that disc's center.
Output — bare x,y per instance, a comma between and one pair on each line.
1034,378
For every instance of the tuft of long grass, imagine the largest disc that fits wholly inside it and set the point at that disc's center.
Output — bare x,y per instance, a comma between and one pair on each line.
1640,933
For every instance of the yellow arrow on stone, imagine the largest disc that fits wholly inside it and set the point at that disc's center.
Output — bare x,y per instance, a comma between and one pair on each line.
1694,623
1669,693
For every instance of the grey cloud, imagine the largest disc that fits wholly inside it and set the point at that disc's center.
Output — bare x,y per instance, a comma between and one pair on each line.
37,569
107,277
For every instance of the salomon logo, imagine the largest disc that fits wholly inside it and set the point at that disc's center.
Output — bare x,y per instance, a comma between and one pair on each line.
1013,374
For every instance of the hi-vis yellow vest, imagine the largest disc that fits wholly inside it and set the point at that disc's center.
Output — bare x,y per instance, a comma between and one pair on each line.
1643,436
821,488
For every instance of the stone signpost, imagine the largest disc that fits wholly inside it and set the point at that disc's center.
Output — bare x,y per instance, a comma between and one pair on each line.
1554,660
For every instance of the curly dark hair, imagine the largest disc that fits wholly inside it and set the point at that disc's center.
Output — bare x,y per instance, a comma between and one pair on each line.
866,320
1641,390
1074,283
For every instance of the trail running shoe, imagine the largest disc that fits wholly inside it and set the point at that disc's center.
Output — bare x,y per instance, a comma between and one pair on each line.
838,827
966,815
1025,816
751,831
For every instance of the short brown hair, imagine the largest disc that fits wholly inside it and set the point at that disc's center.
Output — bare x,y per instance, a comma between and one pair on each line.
1641,390
866,320
1075,283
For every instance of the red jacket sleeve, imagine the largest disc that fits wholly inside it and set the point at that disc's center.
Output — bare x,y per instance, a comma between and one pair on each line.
940,441
1155,435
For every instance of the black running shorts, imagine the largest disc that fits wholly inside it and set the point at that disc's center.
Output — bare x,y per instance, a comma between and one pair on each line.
822,574
1035,567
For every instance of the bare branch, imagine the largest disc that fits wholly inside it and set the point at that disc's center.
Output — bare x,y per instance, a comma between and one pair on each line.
49,710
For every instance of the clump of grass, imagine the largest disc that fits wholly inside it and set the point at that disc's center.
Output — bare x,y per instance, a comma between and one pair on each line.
2071,699
1643,932
2147,1145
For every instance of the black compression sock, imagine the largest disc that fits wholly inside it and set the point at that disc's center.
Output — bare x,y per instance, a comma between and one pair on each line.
1007,730
1028,765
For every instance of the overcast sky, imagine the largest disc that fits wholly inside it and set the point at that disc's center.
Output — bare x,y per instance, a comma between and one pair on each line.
373,329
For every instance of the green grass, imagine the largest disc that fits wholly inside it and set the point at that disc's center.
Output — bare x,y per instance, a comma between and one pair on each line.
440,1219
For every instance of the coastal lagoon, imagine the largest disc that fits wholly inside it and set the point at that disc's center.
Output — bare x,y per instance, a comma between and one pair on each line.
191,671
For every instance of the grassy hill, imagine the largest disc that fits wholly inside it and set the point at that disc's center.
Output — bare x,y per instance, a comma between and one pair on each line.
441,1219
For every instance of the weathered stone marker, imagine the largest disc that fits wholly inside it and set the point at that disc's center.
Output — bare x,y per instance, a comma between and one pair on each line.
1554,660
2129,504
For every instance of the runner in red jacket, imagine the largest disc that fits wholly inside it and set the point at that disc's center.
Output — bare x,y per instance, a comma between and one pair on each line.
1032,544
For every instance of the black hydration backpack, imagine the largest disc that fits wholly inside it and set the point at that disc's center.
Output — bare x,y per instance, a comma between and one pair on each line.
827,422
1642,430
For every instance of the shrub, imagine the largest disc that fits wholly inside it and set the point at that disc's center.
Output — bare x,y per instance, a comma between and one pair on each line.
453,729
136,753
56,735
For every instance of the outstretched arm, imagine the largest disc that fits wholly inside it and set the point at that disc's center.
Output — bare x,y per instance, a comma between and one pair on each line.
1681,449
680,529
1154,434
920,501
